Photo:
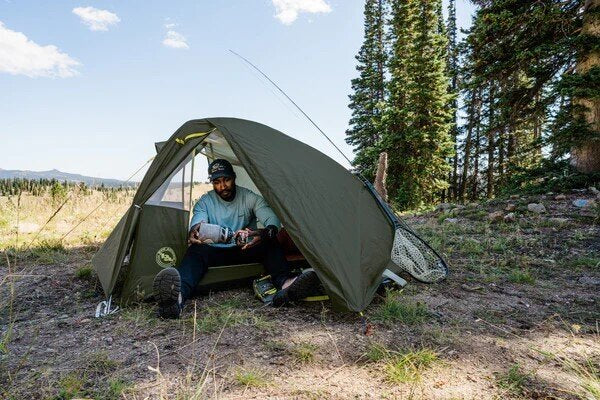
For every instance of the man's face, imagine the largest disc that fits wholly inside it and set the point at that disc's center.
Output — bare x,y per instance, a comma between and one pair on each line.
224,187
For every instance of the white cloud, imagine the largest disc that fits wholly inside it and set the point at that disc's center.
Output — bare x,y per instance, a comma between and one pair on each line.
287,10
21,56
175,40
95,19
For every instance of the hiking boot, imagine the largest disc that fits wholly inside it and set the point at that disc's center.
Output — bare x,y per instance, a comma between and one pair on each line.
167,290
305,285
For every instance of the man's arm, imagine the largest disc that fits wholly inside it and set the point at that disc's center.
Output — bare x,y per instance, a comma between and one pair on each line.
264,214
200,215
268,218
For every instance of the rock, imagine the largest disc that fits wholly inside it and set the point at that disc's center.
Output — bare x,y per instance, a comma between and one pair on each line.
496,216
473,205
560,197
510,207
514,196
594,190
451,220
558,221
536,208
550,194
589,280
581,203
510,217
444,207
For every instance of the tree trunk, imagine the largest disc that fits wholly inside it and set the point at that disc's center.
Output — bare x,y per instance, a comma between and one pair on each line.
468,144
476,154
490,147
381,175
586,157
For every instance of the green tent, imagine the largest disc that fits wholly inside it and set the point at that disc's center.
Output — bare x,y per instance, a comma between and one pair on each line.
335,218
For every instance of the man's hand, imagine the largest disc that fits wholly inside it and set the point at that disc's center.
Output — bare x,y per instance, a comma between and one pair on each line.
194,235
241,238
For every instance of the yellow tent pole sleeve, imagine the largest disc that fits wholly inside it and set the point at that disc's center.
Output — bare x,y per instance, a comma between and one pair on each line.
316,298
194,135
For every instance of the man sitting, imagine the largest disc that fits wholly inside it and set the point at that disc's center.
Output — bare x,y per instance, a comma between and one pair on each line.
238,208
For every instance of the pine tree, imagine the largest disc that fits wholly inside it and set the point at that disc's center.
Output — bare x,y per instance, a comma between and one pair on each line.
515,48
417,117
453,90
369,94
584,88
397,116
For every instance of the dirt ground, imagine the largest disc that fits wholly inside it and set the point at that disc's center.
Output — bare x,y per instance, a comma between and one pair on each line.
517,318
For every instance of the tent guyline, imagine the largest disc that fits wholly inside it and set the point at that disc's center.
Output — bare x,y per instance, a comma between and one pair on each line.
82,220
336,224
294,103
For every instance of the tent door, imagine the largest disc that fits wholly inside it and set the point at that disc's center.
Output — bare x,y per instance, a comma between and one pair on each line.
160,242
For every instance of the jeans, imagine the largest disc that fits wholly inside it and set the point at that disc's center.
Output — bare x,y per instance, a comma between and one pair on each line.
199,257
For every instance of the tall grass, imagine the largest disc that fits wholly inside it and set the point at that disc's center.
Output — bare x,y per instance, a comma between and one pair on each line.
396,309
402,366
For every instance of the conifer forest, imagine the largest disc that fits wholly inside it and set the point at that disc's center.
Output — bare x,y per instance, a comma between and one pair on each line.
511,106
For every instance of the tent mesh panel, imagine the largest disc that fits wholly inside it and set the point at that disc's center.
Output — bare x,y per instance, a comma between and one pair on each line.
409,252
413,256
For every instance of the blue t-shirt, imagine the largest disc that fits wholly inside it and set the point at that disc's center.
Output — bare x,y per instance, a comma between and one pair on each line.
243,211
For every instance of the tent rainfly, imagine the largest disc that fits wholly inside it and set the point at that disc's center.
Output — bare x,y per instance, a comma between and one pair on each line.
342,227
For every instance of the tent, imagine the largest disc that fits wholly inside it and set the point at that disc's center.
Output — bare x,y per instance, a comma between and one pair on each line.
335,218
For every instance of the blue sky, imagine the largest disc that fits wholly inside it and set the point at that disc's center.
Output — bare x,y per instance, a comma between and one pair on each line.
124,74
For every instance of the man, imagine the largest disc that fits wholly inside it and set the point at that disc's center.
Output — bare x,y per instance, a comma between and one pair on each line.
237,208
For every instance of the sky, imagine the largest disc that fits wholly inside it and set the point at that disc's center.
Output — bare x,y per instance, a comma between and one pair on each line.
88,86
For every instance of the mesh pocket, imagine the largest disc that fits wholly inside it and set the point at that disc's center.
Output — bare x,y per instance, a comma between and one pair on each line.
413,256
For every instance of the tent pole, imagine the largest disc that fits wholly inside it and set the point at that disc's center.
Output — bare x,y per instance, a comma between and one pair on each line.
183,187
192,177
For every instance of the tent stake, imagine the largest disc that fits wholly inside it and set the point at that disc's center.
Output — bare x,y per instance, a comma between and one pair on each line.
104,308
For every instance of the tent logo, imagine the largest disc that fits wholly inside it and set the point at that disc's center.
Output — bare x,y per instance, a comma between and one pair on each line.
165,257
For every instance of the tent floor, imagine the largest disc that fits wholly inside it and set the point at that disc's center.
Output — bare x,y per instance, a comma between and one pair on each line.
226,276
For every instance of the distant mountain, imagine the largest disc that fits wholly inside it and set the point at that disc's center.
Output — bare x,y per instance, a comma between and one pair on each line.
61,176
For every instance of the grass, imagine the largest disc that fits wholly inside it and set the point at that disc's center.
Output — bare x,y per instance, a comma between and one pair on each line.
492,316
304,352
250,378
275,345
100,363
409,367
402,367
84,273
228,313
522,276
472,247
445,215
583,262
44,251
397,310
140,315
377,352
587,370
88,380
74,385
513,381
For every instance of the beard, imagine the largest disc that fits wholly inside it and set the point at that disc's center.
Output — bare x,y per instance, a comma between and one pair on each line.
227,194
